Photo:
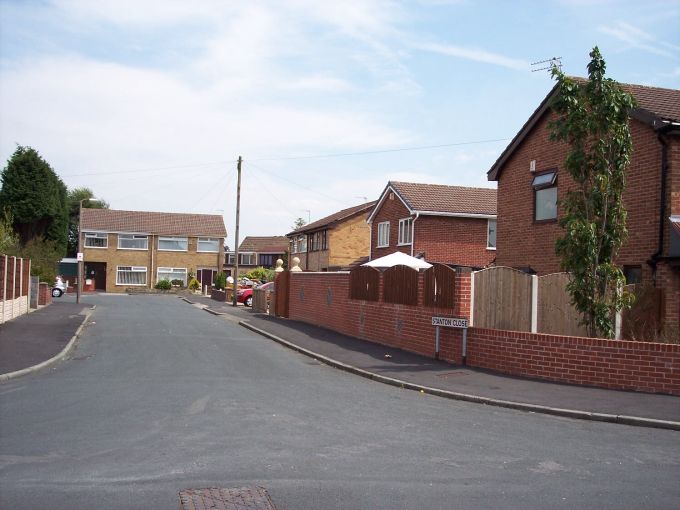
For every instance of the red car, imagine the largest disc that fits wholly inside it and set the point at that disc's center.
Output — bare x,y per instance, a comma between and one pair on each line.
245,296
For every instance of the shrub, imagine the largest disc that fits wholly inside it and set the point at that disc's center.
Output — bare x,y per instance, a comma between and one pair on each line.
194,284
177,283
164,285
262,274
220,281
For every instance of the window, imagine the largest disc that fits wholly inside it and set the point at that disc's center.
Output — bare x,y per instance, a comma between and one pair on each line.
130,275
208,244
405,231
231,259
96,240
246,259
545,196
317,241
173,243
302,244
267,260
133,242
633,274
383,234
172,273
491,234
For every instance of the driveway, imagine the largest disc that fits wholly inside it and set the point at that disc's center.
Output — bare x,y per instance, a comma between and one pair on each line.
161,396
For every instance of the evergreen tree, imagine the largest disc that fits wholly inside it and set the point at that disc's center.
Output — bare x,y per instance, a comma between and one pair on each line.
35,197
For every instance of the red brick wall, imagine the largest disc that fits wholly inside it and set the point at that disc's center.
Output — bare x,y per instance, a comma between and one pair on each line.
522,242
615,364
448,240
44,294
322,299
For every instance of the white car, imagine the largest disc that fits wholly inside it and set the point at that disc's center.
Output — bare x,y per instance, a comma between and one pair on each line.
59,287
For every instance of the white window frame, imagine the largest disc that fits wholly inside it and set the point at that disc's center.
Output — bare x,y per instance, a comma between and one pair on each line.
383,234
488,233
230,258
131,269
97,235
172,238
405,232
302,244
253,257
171,270
206,240
133,237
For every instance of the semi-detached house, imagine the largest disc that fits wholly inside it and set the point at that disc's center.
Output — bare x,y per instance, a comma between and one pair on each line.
136,249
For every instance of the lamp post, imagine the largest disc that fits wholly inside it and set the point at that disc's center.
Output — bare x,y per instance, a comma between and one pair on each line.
80,255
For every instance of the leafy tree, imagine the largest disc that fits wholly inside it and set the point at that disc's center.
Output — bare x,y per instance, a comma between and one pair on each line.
298,223
44,255
74,197
593,121
9,241
35,197
221,280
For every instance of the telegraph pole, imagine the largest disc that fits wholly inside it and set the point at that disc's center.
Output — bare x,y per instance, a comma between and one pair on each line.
238,217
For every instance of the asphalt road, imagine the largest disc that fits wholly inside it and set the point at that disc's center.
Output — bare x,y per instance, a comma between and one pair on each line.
160,396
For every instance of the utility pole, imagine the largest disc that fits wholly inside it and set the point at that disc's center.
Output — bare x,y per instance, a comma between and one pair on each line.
238,218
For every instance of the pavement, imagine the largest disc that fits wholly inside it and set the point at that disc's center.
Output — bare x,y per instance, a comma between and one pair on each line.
39,336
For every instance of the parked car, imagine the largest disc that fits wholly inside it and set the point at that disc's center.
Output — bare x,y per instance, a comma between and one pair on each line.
245,296
59,287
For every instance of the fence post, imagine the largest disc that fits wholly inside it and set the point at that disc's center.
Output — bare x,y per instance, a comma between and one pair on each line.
534,303
472,298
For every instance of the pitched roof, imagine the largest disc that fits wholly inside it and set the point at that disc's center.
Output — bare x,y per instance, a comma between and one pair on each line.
441,199
334,218
264,244
110,220
656,106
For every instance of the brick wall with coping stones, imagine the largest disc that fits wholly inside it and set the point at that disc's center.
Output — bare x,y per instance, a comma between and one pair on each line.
448,240
323,299
44,294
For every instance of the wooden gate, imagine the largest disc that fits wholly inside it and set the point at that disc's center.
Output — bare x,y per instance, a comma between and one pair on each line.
282,294
502,299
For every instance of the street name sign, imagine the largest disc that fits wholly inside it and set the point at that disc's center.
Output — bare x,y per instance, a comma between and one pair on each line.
450,322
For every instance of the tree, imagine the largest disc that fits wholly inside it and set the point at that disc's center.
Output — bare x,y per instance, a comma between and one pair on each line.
74,197
593,120
9,241
298,223
35,197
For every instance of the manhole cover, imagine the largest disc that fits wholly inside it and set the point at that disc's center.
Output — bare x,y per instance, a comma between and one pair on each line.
243,498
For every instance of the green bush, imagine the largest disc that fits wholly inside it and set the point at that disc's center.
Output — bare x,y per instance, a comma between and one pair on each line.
177,283
262,274
220,281
194,284
164,285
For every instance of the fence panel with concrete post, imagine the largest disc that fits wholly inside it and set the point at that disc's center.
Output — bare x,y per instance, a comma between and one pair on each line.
14,274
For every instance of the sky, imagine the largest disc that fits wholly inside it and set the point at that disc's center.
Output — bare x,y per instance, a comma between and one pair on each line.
149,103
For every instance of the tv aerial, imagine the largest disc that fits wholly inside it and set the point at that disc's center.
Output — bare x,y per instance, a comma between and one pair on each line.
547,64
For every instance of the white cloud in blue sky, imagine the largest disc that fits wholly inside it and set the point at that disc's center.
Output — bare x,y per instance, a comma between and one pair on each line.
149,103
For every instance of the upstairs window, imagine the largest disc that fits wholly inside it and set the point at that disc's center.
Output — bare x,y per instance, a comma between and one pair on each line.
208,244
545,196
491,234
96,240
246,259
133,242
317,241
231,259
173,243
383,234
405,231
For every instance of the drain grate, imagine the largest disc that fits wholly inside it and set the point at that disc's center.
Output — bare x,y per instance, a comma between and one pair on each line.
243,498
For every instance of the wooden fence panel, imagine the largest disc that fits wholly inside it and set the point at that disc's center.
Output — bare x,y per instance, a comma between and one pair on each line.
644,320
400,285
502,299
556,314
439,286
364,283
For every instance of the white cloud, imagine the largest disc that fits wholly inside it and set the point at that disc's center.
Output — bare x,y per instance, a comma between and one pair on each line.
637,38
474,54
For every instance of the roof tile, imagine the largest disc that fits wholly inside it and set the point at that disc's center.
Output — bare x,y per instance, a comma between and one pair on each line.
338,216
446,199
110,220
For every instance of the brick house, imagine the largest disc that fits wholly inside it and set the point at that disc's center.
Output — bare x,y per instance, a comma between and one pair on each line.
449,224
255,252
124,249
532,180
337,242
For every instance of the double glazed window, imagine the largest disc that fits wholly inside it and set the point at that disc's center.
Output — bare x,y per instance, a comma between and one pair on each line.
173,243
267,260
317,241
383,234
405,231
131,275
246,259
133,242
491,234
208,244
96,240
545,196
172,273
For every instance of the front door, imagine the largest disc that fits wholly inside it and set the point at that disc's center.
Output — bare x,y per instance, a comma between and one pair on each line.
96,271
206,276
